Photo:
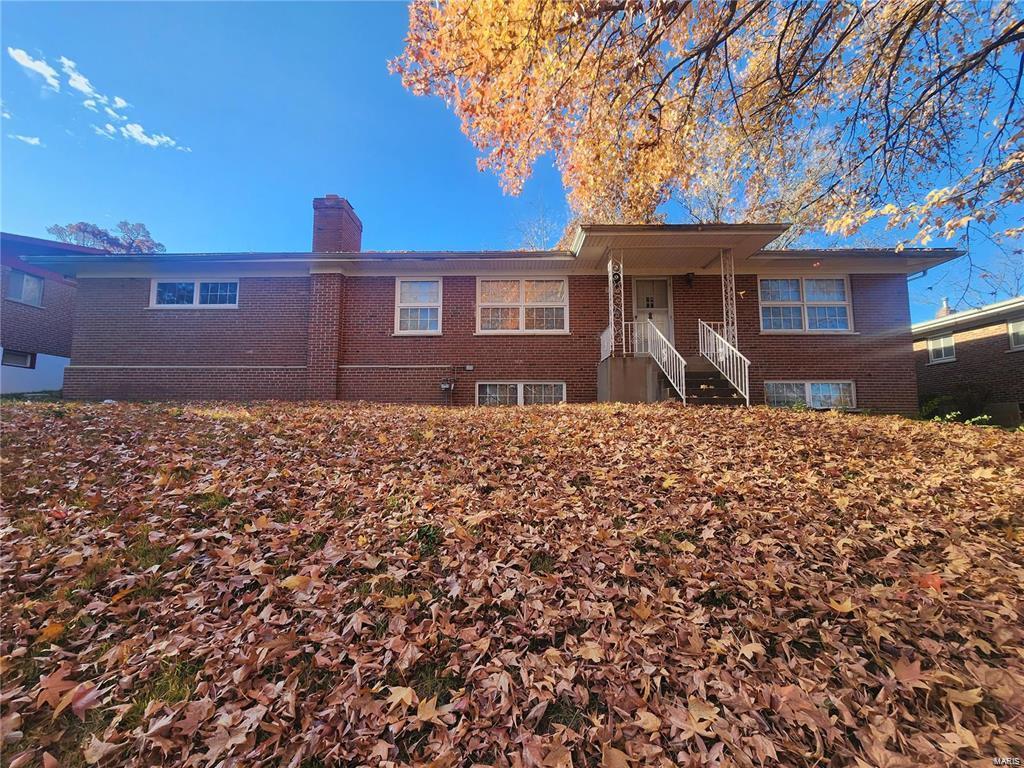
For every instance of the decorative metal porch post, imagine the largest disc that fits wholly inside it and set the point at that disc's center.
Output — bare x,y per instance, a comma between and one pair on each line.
728,296
616,317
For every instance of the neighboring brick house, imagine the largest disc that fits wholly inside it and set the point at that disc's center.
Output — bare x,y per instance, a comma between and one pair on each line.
973,361
627,313
36,321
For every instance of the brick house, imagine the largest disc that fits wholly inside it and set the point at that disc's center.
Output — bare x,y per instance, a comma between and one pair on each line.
36,319
627,313
973,361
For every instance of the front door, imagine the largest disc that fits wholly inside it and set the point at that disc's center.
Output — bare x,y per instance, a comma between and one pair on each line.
652,301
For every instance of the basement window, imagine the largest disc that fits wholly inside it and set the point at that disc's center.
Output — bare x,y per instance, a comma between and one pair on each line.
820,395
17,359
183,294
520,392
26,288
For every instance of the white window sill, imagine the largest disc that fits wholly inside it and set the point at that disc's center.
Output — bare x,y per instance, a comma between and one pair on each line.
416,333
24,303
1014,349
522,333
941,362
180,307
809,333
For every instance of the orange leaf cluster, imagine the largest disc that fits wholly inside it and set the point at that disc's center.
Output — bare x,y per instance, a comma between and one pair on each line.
335,584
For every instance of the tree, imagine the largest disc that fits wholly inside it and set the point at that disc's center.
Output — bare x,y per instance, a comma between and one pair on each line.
829,113
130,238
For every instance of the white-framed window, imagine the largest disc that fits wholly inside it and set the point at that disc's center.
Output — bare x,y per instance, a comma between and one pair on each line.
805,304
528,305
941,349
175,293
26,288
17,359
520,392
1016,330
814,394
417,306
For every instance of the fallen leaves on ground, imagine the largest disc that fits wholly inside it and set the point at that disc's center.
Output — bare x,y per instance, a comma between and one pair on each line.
338,584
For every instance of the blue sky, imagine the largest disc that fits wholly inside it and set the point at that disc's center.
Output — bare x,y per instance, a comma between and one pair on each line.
236,116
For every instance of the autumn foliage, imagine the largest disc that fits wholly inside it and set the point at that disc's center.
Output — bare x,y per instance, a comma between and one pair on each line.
305,585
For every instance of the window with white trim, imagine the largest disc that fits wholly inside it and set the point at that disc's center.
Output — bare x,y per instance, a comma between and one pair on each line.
26,288
1016,330
805,304
941,349
417,306
17,359
520,392
511,305
178,294
815,394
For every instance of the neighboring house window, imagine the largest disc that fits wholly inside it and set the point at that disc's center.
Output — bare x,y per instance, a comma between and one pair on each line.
815,394
519,392
25,288
808,304
417,306
1016,329
941,349
538,305
194,293
19,359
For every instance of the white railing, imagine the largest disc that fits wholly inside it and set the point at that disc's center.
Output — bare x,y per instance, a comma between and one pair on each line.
724,356
666,356
607,340
644,338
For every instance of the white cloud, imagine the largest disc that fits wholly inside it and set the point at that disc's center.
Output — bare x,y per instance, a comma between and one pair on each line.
107,131
114,114
39,66
31,140
136,132
90,104
119,103
4,112
76,79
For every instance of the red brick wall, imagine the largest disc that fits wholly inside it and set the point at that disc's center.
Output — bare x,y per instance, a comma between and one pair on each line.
324,330
983,360
367,328
259,349
45,330
877,357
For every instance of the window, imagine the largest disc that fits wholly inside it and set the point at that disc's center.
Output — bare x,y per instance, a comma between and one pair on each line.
19,359
815,394
26,288
941,349
539,305
417,306
806,305
520,392
194,293
1016,330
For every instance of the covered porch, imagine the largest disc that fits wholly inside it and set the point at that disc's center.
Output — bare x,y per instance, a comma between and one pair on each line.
640,358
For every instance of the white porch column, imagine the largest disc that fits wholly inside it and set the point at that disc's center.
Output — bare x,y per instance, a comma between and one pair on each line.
728,296
616,316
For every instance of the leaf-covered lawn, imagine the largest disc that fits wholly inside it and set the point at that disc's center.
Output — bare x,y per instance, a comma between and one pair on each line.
634,585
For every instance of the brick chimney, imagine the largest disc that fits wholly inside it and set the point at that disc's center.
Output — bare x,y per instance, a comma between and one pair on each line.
335,225
945,310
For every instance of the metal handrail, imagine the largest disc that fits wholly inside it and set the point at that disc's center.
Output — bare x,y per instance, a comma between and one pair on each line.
725,357
667,357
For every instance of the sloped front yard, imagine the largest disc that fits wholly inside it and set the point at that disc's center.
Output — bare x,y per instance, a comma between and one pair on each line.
344,585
